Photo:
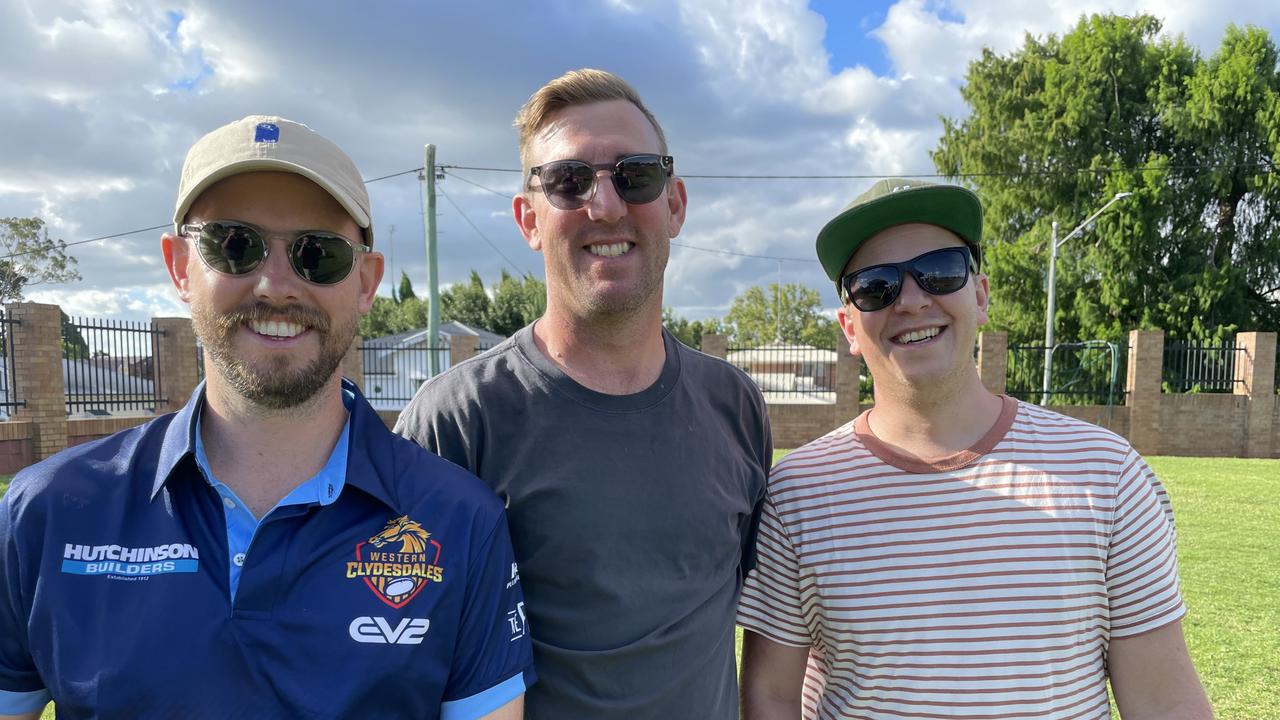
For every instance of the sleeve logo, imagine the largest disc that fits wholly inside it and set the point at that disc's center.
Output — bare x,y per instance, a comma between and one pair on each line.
397,563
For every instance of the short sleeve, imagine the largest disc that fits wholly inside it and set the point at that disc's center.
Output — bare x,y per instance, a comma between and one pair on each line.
771,604
751,528
493,659
21,689
1142,564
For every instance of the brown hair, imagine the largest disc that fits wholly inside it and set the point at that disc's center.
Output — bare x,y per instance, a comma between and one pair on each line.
576,87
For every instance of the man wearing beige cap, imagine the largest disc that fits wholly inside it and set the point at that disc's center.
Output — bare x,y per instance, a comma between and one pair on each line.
271,550
952,552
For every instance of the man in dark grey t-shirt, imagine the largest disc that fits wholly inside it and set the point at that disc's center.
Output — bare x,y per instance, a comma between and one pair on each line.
633,467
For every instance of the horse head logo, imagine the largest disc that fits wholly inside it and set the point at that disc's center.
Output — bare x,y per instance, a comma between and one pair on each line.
412,538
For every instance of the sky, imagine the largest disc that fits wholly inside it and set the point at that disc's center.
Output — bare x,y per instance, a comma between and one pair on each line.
102,99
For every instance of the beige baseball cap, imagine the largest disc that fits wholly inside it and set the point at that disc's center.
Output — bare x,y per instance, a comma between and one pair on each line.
266,142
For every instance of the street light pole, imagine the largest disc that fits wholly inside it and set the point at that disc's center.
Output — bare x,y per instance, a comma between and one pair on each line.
1054,244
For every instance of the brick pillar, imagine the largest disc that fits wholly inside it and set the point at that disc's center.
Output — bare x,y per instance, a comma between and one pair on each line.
848,370
1255,375
993,360
37,375
715,345
462,347
1146,366
352,367
175,359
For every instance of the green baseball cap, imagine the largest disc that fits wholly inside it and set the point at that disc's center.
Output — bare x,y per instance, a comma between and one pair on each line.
896,201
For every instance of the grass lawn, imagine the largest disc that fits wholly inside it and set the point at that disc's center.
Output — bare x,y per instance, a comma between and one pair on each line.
1229,554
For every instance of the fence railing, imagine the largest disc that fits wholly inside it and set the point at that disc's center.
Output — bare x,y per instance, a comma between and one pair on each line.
1084,373
796,373
1201,367
9,398
392,374
110,365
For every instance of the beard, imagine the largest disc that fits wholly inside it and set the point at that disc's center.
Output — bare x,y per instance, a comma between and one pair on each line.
273,384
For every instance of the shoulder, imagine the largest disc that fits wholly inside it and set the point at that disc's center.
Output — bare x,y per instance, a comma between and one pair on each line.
117,465
1049,432
836,453
412,476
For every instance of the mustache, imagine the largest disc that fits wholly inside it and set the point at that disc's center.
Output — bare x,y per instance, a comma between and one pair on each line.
259,311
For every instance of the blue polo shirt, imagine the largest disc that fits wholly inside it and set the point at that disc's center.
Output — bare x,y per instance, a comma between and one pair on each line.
396,596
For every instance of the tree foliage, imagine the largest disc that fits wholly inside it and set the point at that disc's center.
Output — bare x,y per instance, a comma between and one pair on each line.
790,313
690,332
1060,125
515,302
31,257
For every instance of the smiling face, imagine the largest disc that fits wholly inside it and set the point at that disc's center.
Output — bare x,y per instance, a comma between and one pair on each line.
273,338
922,342
605,259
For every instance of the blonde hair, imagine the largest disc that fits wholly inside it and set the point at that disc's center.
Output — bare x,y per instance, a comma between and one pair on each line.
576,87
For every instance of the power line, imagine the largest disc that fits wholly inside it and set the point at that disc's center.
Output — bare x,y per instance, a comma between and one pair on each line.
510,263
476,184
742,254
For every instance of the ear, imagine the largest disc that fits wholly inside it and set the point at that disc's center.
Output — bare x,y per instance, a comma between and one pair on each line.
527,220
177,257
983,291
370,271
677,202
845,317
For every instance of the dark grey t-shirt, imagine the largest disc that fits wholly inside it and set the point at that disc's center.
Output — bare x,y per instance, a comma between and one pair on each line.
633,519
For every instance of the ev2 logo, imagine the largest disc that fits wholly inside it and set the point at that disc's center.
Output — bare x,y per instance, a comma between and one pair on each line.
376,630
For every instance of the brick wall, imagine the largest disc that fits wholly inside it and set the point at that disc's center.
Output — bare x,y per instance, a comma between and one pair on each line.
15,446
1114,418
1207,424
83,430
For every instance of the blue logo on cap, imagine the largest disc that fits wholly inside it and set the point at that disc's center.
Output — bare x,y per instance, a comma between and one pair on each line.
266,133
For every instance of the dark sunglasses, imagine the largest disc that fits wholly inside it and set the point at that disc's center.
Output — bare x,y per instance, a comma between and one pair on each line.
570,184
938,272
235,248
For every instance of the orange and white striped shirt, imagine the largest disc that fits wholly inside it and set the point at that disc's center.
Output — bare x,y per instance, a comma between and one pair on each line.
987,585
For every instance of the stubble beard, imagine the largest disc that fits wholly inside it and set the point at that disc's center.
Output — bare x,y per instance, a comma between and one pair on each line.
590,302
275,386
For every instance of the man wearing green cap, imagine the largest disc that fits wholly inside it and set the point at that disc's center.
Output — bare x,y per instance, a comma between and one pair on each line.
951,552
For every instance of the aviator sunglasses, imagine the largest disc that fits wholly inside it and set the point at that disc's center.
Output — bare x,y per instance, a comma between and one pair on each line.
236,248
939,272
570,184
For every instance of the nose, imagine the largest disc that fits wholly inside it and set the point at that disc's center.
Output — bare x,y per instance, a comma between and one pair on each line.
606,205
912,298
275,280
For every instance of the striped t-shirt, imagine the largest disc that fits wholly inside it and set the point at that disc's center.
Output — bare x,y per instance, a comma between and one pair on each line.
985,585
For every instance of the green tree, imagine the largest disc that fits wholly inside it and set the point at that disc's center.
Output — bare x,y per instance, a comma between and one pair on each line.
31,257
74,346
406,289
467,303
516,303
1060,125
690,332
791,314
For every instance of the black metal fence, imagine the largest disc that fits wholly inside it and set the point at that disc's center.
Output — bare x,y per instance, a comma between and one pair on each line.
110,365
789,372
393,373
1201,367
1084,373
8,381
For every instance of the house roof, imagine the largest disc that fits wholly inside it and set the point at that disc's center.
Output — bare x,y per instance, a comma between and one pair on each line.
780,352
418,337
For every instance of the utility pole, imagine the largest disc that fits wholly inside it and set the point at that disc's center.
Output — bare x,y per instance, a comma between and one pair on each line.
428,180
391,260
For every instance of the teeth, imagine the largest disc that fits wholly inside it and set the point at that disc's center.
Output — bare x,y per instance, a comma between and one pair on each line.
917,335
613,250
276,328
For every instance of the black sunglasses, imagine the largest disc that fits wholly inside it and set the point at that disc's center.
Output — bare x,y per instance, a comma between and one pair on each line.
570,184
236,248
938,272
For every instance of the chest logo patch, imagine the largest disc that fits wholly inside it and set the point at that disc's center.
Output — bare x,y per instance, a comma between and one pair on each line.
398,562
